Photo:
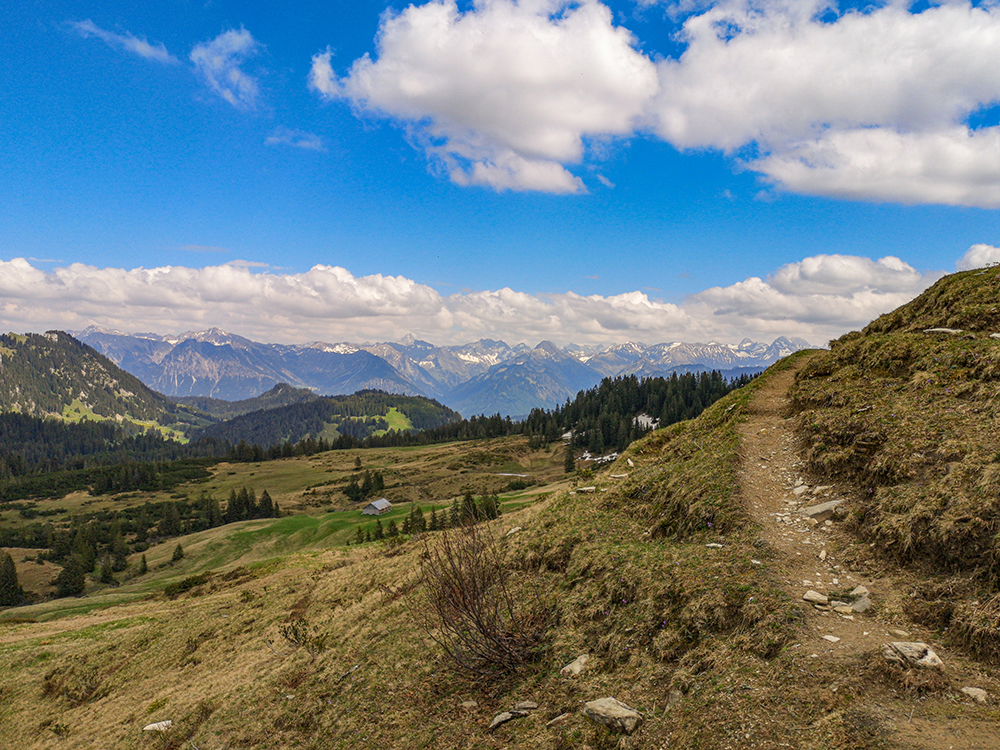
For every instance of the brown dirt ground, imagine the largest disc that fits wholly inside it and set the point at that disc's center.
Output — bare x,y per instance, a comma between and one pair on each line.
946,719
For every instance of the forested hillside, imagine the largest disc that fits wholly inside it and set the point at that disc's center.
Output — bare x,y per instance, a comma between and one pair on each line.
602,419
31,445
281,395
53,374
357,416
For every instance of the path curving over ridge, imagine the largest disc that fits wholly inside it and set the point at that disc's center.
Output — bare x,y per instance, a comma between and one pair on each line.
813,556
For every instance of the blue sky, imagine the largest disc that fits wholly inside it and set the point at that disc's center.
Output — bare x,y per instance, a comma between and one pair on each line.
588,172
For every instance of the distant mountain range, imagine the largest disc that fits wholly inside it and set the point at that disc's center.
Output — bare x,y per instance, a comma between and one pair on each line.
484,377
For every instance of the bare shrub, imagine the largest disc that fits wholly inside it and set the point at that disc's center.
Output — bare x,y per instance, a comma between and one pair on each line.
300,635
471,607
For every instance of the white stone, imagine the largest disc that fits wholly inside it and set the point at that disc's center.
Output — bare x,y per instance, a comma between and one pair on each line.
977,694
613,714
911,654
814,597
513,531
159,726
860,591
504,717
822,511
831,638
862,604
575,667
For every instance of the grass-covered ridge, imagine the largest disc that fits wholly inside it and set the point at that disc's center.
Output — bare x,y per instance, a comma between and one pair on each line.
908,417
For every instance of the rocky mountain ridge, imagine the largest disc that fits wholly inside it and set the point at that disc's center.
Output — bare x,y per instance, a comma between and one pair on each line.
484,376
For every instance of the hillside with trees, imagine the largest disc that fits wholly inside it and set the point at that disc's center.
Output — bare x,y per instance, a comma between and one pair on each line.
357,416
280,395
53,374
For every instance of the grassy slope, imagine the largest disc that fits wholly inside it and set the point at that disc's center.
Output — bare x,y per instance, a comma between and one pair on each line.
626,571
629,579
47,375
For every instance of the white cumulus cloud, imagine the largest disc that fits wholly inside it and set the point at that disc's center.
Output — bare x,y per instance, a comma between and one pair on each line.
956,166
869,106
978,256
218,63
155,51
865,104
506,93
817,298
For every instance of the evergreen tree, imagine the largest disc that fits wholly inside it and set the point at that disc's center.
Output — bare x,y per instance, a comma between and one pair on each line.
178,554
214,513
467,511
266,507
357,463
143,565
85,547
106,570
243,505
435,524
119,552
71,579
569,464
354,493
378,530
392,529
170,524
11,593
232,508
489,507
359,536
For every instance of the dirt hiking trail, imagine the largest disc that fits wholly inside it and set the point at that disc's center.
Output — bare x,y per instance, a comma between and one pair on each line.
812,555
